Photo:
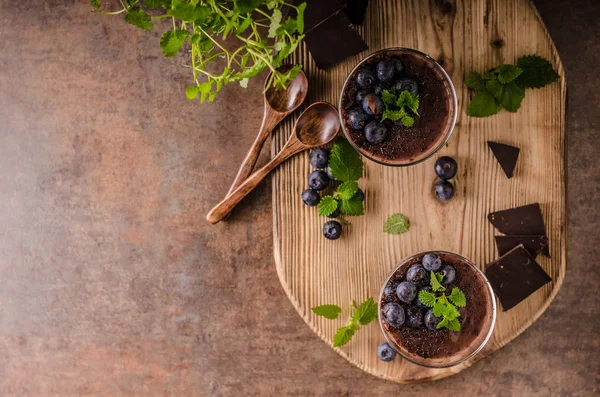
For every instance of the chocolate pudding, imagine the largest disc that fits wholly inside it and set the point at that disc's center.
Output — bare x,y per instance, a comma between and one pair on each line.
433,122
441,347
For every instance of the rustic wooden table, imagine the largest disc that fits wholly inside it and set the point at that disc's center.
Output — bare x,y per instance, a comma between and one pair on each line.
111,281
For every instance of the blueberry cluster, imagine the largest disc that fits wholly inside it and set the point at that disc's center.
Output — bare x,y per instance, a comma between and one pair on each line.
368,109
318,180
403,306
445,169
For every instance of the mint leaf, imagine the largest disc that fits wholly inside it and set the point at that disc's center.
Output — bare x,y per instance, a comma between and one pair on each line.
327,206
172,40
389,97
443,323
245,6
138,17
453,325
152,4
511,96
494,87
483,104
352,207
95,3
408,121
300,17
347,190
450,312
439,309
366,312
507,73
435,283
537,72
343,336
396,224
458,297
409,100
475,81
393,115
275,22
427,298
189,12
328,311
345,162
191,92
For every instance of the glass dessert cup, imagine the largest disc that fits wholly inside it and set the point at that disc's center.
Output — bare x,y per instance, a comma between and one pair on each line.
423,62
479,326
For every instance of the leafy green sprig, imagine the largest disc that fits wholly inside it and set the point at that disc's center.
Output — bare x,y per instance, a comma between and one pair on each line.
443,305
364,314
207,25
346,166
504,86
401,106
396,224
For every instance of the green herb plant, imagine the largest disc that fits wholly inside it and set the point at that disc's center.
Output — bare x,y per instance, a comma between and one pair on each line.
396,224
364,314
346,166
402,106
228,40
443,305
504,86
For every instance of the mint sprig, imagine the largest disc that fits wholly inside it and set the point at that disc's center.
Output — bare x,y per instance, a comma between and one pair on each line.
504,86
401,106
363,315
444,306
346,166
396,224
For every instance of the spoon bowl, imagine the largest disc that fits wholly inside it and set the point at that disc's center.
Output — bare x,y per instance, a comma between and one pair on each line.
316,126
279,103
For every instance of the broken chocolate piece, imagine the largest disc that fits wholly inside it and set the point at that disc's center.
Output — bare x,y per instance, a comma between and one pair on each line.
355,10
334,40
533,244
515,276
506,155
317,11
521,221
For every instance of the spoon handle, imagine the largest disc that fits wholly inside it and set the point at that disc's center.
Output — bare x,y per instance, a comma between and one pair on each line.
222,209
270,121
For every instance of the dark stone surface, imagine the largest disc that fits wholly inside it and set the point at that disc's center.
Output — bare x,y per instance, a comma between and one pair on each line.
112,282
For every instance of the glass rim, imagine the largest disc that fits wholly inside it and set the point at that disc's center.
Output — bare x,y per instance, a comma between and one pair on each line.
424,363
454,113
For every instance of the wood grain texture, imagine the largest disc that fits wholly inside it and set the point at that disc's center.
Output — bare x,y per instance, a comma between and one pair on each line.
463,36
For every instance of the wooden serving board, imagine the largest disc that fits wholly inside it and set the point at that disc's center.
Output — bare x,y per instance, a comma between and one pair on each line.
464,36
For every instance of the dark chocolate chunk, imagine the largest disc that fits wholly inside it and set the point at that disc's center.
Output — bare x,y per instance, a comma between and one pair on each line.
506,155
334,40
355,10
515,276
317,11
533,244
521,221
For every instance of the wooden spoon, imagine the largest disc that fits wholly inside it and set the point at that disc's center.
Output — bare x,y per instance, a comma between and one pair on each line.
316,126
278,104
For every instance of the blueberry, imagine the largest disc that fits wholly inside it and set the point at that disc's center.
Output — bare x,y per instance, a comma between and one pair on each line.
360,96
318,180
385,352
311,197
390,289
414,316
360,194
375,132
417,301
357,118
319,157
406,291
365,78
329,174
398,65
332,230
372,105
393,314
407,85
444,190
417,274
445,167
432,262
385,70
449,274
335,213
431,321
379,87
